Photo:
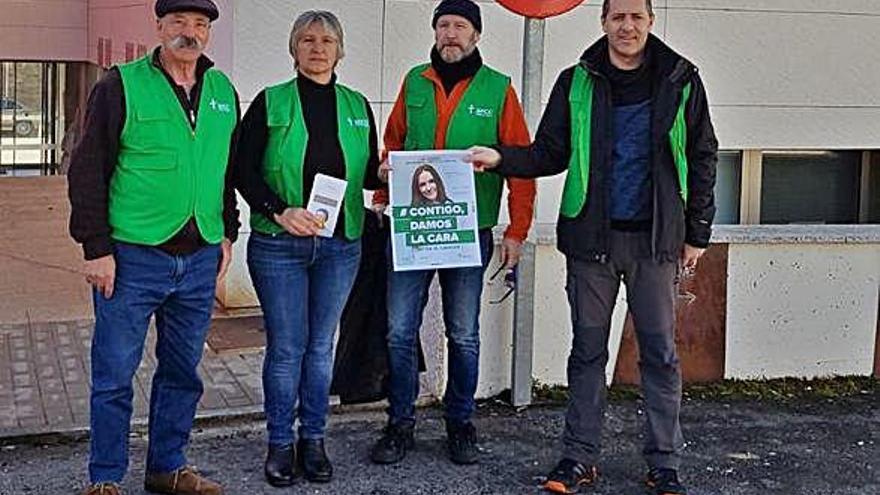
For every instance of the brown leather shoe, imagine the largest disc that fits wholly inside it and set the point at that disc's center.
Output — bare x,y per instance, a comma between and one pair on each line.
184,481
102,489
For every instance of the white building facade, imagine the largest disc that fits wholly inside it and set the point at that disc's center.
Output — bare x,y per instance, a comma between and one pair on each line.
790,285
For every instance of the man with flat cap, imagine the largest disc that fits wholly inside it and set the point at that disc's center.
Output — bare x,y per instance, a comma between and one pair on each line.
152,208
453,102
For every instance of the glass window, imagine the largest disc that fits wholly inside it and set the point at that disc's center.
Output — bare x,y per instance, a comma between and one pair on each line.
810,187
30,117
728,182
874,189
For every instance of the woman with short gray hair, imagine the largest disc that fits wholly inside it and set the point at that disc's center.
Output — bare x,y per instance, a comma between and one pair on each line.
327,20
302,266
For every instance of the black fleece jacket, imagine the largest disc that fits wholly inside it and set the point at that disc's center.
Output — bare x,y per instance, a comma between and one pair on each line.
585,237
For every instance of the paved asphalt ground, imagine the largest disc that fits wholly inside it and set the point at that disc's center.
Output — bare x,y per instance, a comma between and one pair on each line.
734,448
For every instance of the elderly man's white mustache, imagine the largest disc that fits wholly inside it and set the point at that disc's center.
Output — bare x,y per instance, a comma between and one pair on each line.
186,42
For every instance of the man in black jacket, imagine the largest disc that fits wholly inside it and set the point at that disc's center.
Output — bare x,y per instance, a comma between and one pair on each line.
630,123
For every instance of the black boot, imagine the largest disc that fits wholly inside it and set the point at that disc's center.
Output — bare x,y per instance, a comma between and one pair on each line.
313,460
279,466
396,440
461,440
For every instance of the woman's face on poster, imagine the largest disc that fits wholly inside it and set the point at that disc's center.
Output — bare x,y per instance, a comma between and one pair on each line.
428,185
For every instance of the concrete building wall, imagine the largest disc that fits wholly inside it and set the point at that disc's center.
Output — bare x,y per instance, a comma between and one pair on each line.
802,310
120,22
805,306
43,30
69,30
134,22
807,86
780,74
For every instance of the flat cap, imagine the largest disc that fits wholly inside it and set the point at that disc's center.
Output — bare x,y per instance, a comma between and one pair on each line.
206,7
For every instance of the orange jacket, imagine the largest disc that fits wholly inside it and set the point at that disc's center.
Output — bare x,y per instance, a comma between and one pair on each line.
512,131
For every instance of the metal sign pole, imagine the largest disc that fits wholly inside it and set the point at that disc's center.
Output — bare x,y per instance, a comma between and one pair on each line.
524,305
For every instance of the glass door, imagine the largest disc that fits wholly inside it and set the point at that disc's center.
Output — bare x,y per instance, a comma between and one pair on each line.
32,118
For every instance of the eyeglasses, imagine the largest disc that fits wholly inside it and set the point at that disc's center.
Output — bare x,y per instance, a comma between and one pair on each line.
509,281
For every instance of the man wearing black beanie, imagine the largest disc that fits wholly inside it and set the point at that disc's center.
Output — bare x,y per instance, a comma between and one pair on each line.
453,102
463,8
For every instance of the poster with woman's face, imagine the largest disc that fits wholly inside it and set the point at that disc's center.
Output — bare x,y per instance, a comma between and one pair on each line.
434,211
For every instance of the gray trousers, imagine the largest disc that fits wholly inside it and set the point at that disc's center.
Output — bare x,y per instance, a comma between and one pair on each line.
592,289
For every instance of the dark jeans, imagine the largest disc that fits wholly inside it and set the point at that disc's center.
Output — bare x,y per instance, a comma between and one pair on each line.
592,289
303,284
179,291
407,297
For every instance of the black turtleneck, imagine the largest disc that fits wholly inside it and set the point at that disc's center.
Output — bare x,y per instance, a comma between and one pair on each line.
323,151
629,86
452,74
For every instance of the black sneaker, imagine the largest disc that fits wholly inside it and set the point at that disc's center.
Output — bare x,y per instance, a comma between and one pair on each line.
664,482
396,440
569,476
461,440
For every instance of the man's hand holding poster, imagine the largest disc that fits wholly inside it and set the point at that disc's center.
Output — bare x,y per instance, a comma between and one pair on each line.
433,210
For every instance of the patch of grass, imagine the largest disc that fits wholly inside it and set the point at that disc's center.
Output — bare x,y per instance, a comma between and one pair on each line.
558,394
776,390
785,389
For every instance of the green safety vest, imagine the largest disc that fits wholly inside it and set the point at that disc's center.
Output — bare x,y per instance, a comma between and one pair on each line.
474,122
286,150
167,172
580,100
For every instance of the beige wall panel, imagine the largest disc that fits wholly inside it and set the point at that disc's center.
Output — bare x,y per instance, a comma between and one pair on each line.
70,14
408,39
804,310
496,335
552,318
548,198
383,111
33,43
797,128
568,35
222,48
43,30
818,60
849,7
262,30
132,22
769,87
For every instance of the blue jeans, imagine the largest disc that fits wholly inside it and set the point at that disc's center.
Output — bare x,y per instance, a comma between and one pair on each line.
179,291
303,284
407,297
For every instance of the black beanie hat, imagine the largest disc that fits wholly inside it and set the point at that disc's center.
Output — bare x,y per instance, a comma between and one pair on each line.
465,8
206,7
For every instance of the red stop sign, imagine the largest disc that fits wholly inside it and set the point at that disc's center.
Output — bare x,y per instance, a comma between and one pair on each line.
540,9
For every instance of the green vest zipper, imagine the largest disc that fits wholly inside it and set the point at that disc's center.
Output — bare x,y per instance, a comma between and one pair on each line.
167,172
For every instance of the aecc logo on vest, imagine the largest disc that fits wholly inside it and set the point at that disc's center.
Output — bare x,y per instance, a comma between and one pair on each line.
476,111
358,122
220,107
